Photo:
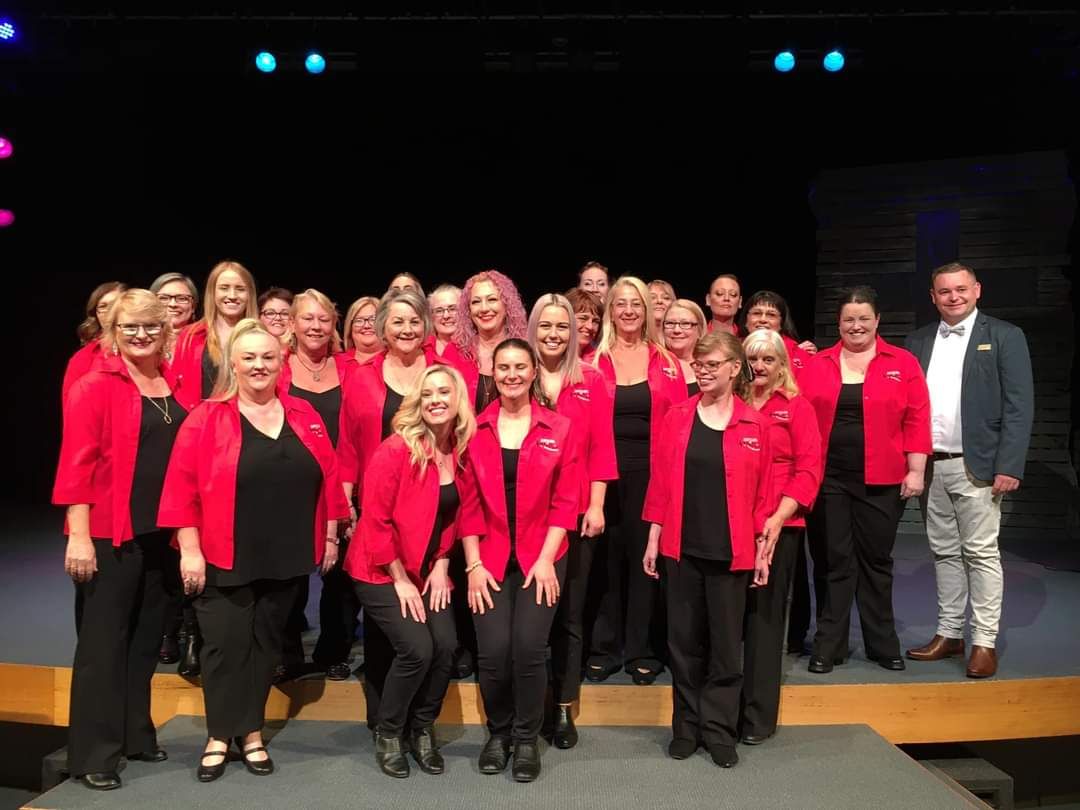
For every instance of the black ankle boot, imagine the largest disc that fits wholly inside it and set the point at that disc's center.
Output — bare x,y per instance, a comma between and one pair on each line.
190,665
564,732
426,752
390,757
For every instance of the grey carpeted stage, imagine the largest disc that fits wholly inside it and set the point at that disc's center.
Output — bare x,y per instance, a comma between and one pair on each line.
324,764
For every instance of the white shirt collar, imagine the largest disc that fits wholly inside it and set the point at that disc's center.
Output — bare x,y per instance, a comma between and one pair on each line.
968,323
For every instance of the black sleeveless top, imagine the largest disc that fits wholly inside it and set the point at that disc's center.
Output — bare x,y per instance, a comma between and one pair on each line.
156,437
633,410
328,405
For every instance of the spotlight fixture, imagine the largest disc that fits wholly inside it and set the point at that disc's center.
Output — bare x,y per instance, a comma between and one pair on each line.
784,62
833,61
6,148
265,62
315,63
7,30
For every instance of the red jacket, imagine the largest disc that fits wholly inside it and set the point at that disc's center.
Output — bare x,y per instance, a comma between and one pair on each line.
200,486
798,358
470,369
746,475
795,445
85,359
666,384
341,360
102,417
896,408
547,488
398,513
589,408
186,376
363,395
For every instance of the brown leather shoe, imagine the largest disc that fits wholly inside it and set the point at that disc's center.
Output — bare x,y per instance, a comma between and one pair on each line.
939,647
983,662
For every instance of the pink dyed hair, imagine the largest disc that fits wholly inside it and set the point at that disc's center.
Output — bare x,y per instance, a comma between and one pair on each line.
516,324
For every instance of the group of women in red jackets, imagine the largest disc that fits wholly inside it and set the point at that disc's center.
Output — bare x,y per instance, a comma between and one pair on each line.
610,476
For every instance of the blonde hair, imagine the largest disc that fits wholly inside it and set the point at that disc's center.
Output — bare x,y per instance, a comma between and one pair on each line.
350,316
135,302
693,309
569,364
648,325
409,422
328,306
413,300
766,340
227,384
210,311
727,342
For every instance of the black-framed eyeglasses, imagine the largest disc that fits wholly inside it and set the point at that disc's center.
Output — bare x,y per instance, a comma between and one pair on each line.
368,321
182,298
440,312
275,314
685,326
132,329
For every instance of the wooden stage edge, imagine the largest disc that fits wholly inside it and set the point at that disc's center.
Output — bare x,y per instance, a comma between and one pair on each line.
963,711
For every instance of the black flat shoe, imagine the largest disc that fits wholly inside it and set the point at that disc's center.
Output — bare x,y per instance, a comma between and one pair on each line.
426,752
526,762
338,672
390,757
190,665
680,748
208,773
105,780
259,767
724,755
645,678
755,739
819,665
564,733
462,664
896,664
157,755
597,673
170,649
495,755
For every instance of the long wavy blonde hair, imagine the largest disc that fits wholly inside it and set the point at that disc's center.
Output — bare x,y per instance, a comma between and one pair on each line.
648,325
761,341
409,421
210,312
227,385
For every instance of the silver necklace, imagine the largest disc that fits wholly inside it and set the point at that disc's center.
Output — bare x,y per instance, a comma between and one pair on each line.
313,371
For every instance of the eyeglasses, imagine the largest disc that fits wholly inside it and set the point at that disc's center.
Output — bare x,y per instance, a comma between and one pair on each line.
132,329
712,366
275,314
369,321
685,326
440,312
180,299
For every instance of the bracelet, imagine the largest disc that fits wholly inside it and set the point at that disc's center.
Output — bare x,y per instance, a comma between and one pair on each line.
333,540
470,568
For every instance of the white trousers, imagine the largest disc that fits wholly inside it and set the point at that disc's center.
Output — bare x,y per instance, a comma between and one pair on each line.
962,523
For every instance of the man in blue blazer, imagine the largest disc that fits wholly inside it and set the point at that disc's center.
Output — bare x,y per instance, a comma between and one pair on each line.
982,404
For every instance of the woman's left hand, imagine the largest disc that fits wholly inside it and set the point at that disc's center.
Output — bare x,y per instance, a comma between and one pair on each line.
547,583
808,347
771,533
438,583
912,485
593,524
761,568
330,556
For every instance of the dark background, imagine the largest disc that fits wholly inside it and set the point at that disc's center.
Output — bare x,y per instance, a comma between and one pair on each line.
663,146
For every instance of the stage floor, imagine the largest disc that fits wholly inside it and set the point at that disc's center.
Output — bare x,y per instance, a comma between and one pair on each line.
328,764
1038,638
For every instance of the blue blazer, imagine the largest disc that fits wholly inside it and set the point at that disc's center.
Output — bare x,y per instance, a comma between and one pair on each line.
997,401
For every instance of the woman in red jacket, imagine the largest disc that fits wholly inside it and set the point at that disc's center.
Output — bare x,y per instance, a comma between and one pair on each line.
724,300
415,486
794,478
707,503
873,412
526,466
443,302
120,421
579,394
645,380
683,325
361,342
252,488
230,296
589,315
89,332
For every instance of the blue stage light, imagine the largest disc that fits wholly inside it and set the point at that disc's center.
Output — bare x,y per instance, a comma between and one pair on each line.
7,30
315,63
265,61
784,61
833,61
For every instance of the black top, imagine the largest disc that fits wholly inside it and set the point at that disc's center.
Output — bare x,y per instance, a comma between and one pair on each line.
209,374
485,392
706,532
692,389
633,408
156,439
444,515
277,490
327,403
510,470
846,457
390,407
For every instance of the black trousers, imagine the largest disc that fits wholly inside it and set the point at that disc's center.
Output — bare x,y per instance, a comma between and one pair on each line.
512,656
706,602
419,670
243,631
120,620
463,616
852,530
629,627
568,629
339,609
378,656
800,612
292,650
763,639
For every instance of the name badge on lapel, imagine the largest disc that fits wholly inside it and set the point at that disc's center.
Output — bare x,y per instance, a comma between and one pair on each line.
983,347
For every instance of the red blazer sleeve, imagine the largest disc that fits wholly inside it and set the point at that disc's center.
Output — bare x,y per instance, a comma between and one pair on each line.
600,463
470,519
805,479
566,494
916,427
762,505
658,495
181,504
347,457
80,447
379,500
337,507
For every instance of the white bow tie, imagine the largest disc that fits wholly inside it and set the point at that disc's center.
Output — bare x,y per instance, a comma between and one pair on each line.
947,330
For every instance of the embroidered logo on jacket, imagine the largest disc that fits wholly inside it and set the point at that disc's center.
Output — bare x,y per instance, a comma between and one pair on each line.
671,372
581,393
783,416
797,362
550,445
316,429
751,443
892,375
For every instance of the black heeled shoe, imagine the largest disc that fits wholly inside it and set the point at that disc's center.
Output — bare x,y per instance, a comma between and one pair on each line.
495,755
426,752
190,665
208,773
526,762
564,733
170,649
104,780
259,767
389,756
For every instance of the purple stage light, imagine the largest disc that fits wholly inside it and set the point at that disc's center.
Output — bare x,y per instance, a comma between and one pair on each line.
6,218
6,148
